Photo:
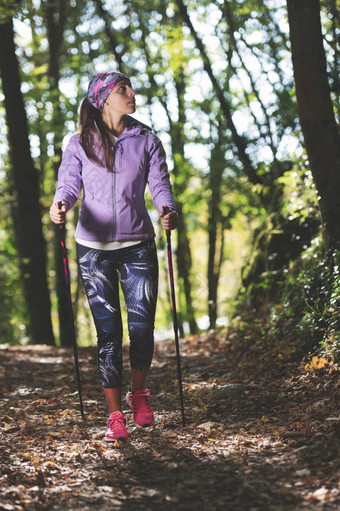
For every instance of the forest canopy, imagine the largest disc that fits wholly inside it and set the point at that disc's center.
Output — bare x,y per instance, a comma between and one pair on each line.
248,111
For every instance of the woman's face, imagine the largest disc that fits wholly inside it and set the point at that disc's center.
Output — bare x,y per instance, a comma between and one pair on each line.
121,100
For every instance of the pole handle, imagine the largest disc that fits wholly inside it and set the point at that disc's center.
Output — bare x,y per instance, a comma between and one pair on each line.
61,226
166,210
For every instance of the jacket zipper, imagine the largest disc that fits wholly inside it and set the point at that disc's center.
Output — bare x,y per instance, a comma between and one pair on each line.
114,206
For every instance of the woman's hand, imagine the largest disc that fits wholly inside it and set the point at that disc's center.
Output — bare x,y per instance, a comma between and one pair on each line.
169,220
58,215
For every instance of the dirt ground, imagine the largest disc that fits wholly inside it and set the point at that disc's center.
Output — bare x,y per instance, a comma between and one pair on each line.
262,432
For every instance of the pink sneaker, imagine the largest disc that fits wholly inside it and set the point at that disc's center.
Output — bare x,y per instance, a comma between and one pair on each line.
141,409
116,429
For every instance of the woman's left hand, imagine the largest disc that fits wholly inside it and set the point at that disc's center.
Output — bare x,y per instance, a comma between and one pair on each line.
169,220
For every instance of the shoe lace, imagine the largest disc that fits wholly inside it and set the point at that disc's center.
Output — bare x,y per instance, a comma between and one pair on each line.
116,420
140,401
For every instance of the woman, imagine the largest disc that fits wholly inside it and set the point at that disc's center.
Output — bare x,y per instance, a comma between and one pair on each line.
111,160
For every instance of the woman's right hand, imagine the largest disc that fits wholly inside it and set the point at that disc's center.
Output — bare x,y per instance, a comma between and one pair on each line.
58,215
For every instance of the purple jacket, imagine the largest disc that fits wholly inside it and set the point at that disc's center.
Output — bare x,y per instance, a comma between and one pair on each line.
113,206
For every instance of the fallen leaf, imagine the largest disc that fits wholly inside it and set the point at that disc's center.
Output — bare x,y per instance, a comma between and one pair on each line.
319,363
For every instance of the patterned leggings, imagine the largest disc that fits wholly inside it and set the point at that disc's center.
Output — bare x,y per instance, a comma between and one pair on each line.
136,268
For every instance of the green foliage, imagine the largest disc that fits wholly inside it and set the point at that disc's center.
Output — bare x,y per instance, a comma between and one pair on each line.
282,235
13,308
310,300
305,309
9,9
300,197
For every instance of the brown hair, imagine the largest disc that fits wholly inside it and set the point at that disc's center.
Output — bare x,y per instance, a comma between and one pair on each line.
94,135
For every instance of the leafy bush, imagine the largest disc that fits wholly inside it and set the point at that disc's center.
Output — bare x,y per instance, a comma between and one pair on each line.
309,302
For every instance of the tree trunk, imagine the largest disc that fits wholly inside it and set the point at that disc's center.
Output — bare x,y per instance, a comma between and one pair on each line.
184,259
26,210
184,265
215,258
215,228
55,13
316,111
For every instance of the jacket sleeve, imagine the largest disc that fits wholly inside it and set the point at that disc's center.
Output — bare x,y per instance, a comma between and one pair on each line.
158,176
69,175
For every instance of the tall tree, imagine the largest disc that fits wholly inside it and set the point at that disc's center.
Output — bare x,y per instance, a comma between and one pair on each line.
55,16
216,222
316,114
184,259
26,208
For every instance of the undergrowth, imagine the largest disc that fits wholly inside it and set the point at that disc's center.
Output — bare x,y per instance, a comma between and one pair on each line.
304,305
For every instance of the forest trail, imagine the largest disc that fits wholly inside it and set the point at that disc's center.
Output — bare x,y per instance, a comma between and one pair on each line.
262,432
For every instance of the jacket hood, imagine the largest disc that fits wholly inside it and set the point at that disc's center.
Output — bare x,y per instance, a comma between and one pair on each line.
133,127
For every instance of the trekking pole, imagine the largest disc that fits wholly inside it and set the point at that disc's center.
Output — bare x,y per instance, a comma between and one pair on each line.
174,316
68,287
